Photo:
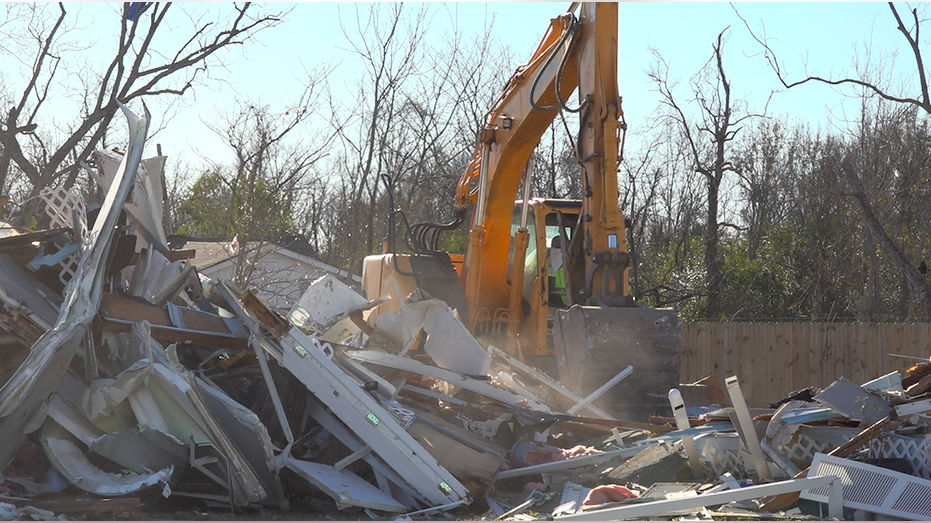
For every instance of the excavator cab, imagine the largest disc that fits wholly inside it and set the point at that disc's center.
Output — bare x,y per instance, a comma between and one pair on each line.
544,284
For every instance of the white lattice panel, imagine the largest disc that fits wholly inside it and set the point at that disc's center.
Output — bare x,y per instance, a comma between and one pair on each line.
720,453
805,448
916,450
59,203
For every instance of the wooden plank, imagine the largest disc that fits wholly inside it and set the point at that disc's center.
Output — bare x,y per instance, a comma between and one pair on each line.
268,317
701,357
684,359
693,333
831,354
891,333
740,357
857,353
716,348
118,313
764,384
916,346
814,354
752,347
800,357
703,354
925,338
786,356
758,376
887,344
748,346
122,308
780,359
800,353
724,341
817,351
845,344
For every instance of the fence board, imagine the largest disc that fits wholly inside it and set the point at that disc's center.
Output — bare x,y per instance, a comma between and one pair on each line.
767,362
802,347
721,340
856,364
892,344
834,357
872,350
782,356
817,354
774,359
740,353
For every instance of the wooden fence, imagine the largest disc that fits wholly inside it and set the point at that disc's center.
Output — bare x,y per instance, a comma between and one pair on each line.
774,359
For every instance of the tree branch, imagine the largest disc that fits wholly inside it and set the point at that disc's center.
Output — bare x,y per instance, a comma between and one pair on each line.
773,61
915,280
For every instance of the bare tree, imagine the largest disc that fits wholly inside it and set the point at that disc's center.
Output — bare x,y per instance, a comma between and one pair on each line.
888,155
259,198
767,167
415,118
874,86
708,142
388,40
178,179
914,277
665,223
268,180
555,166
30,144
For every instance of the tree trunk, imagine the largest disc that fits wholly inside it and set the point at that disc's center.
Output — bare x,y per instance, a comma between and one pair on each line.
712,265
869,302
915,279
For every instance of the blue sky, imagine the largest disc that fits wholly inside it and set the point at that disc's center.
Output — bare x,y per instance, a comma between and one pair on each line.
824,37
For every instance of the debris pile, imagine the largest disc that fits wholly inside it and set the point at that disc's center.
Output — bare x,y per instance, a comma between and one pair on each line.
131,384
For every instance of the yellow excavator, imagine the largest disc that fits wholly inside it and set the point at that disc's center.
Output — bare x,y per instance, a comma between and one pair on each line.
544,277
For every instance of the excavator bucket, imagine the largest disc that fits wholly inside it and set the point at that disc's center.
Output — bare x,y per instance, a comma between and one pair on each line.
594,344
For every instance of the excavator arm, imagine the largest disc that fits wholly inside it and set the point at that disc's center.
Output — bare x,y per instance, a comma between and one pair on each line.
574,53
